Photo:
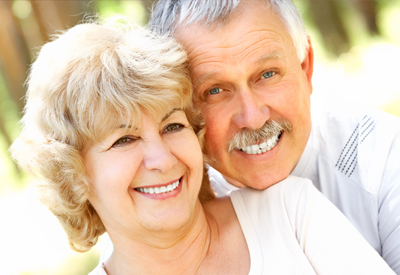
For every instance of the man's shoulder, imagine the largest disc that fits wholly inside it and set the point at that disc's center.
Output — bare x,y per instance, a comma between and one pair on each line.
344,127
220,186
340,116
356,140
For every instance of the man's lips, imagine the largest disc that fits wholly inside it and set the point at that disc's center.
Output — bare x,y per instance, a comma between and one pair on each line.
160,189
262,147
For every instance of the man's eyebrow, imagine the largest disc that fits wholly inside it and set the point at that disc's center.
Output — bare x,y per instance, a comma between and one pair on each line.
270,56
170,113
204,78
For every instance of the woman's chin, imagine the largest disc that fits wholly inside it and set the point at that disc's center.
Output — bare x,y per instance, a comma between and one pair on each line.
172,221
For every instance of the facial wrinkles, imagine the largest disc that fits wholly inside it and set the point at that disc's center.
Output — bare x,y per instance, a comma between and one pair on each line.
234,54
247,137
262,38
198,51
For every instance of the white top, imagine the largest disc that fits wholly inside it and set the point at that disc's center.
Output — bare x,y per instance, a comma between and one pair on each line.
99,270
291,228
353,158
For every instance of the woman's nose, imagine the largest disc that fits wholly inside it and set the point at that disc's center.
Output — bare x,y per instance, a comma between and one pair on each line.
158,156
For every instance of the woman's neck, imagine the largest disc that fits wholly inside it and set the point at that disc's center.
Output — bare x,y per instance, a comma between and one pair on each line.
180,252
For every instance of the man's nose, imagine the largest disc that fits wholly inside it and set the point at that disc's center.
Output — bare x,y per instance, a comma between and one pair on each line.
158,156
252,111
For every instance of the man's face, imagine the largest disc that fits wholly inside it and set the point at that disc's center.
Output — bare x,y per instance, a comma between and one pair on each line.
246,74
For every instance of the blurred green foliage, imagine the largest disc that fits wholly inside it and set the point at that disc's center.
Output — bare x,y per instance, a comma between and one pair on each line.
79,264
10,176
132,9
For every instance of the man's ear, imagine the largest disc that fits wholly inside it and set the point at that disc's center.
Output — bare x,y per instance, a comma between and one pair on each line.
308,64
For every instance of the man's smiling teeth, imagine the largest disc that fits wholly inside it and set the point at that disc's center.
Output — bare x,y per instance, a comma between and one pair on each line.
159,190
261,148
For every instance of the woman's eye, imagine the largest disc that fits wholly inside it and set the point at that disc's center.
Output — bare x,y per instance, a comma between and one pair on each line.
123,141
214,91
268,75
174,127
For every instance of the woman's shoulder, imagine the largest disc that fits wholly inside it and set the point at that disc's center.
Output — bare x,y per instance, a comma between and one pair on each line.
220,209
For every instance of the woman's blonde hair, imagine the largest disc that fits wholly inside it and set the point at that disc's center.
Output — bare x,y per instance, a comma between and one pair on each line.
86,82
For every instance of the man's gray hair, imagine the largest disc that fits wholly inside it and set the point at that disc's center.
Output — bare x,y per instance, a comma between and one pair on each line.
168,14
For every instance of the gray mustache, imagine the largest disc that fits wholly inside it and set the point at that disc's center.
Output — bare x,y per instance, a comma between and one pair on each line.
247,136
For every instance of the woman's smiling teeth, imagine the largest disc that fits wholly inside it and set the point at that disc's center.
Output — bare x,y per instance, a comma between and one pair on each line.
159,190
263,147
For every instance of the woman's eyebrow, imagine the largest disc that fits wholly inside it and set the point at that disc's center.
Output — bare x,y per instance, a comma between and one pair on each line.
126,126
164,118
170,113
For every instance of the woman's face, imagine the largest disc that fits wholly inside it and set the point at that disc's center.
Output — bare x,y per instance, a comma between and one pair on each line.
146,178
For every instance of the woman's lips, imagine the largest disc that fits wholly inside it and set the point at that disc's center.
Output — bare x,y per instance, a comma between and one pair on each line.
161,192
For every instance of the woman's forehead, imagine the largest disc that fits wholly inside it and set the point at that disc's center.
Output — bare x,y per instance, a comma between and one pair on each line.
133,121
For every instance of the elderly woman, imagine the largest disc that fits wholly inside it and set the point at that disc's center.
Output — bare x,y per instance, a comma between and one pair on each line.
110,130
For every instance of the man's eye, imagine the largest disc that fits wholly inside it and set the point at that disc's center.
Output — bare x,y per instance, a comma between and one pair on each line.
123,141
214,91
174,127
268,75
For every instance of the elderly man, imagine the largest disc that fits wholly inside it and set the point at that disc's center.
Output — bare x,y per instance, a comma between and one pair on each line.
251,63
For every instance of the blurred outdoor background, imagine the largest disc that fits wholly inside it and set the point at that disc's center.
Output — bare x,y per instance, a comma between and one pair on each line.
357,56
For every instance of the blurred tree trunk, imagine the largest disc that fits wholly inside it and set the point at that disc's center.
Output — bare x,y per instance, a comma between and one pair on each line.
148,4
326,16
55,15
368,11
5,134
14,60
14,54
8,141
